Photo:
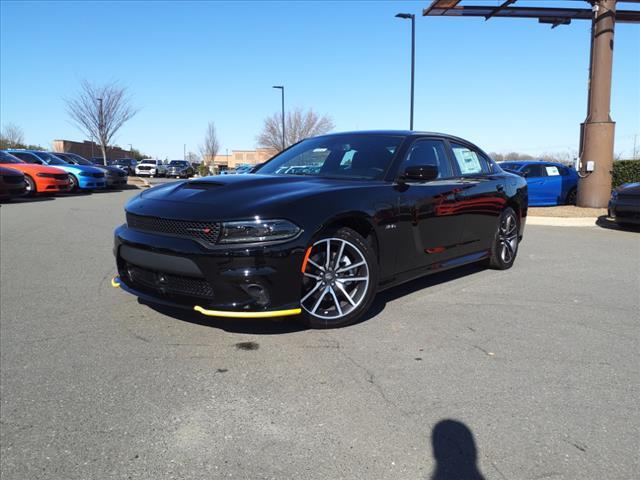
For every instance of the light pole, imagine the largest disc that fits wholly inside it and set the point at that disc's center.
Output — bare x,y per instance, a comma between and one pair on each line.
413,58
130,149
281,87
184,152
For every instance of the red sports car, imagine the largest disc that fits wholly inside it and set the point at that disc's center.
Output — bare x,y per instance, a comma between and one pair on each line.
39,178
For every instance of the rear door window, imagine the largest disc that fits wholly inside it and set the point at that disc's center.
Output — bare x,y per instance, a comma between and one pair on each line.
469,161
534,171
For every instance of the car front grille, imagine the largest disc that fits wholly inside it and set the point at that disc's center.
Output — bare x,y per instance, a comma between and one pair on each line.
206,232
13,179
628,197
166,283
61,176
98,175
145,168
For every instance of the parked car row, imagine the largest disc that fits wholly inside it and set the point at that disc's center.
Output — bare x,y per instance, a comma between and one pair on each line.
161,168
52,172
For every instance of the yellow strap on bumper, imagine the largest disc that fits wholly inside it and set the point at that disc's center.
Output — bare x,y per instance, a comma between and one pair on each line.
271,314
115,282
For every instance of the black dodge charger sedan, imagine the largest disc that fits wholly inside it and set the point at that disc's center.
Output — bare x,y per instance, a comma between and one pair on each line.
359,213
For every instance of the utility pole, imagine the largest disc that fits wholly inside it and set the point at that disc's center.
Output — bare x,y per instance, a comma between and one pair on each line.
184,152
281,88
413,59
597,131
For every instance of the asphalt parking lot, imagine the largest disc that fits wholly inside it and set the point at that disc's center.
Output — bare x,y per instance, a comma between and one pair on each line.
538,367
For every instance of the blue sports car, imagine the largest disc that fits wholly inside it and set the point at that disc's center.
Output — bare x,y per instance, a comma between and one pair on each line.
80,176
549,183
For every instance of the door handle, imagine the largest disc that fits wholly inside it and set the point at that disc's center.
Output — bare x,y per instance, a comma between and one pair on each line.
500,187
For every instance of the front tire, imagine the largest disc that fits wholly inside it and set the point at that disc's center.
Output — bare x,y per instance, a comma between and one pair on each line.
572,197
505,244
31,189
340,280
73,183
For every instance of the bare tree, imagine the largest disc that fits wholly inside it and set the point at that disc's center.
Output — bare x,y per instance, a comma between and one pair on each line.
100,110
192,157
12,136
211,145
298,126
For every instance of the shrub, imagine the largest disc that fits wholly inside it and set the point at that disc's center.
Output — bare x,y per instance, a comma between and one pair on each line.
203,170
625,171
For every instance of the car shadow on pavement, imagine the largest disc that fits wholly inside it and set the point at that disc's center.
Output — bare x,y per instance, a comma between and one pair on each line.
605,222
455,452
18,200
232,325
422,283
290,324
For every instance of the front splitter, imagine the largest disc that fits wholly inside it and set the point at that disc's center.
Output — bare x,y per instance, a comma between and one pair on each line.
116,283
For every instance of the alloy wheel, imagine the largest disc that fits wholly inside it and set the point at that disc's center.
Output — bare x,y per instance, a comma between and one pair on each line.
508,238
30,187
336,279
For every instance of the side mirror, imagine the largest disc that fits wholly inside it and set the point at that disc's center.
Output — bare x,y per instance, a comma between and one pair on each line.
420,173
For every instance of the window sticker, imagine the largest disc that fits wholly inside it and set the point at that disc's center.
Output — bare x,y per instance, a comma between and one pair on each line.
552,171
467,160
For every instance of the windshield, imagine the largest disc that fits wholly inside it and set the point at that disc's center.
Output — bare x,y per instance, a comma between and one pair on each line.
8,158
50,159
510,165
178,163
349,156
77,159
148,162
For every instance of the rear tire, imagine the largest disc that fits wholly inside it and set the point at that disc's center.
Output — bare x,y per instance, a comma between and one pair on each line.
505,244
338,288
31,186
572,197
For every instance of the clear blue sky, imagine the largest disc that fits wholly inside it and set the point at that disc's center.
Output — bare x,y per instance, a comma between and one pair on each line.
504,84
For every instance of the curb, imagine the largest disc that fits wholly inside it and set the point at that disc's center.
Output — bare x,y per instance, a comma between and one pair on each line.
563,221
138,182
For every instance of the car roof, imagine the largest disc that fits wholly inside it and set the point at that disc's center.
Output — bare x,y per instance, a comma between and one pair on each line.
405,133
531,162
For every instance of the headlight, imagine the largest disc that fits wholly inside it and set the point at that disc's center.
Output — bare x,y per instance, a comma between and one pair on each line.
86,174
46,175
257,231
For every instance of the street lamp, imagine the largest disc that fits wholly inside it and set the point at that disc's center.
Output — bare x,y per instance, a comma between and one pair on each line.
413,57
281,87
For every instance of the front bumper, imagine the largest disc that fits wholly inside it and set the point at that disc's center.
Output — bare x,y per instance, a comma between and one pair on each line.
114,181
177,173
44,184
91,183
142,173
8,190
625,210
248,282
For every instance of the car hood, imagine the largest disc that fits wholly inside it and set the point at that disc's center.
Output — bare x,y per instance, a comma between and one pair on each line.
32,168
629,189
79,168
6,171
235,196
109,169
